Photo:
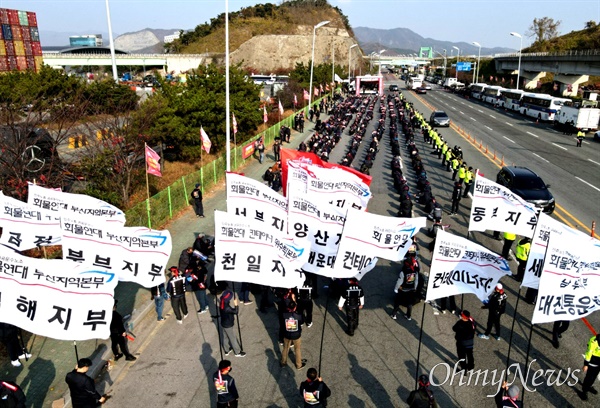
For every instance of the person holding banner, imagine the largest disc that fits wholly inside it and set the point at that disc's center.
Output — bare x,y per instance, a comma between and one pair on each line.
314,391
465,335
423,396
10,338
496,305
82,388
353,299
197,197
507,397
305,302
558,328
292,336
228,313
591,367
118,336
227,393
11,395
406,285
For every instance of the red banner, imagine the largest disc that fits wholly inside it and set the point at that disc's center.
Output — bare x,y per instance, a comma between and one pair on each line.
248,150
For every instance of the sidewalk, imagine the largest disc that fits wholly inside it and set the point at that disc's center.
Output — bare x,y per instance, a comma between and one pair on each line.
42,377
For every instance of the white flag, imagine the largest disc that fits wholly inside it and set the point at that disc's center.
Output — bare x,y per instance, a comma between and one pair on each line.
253,252
570,281
56,299
546,226
461,266
497,208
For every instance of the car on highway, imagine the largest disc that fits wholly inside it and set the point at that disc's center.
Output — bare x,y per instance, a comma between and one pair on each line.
528,185
394,88
597,135
439,118
427,87
421,90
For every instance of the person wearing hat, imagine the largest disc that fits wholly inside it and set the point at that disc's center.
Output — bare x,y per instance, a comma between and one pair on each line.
82,387
496,304
227,314
118,336
591,367
176,290
227,394
422,396
314,391
197,197
465,335
508,397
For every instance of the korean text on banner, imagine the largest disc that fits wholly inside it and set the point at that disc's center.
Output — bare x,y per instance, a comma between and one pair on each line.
546,226
570,280
152,162
74,205
135,254
461,266
253,252
56,299
497,208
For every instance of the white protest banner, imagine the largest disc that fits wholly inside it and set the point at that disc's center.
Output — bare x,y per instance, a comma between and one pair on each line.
321,223
546,226
461,266
254,252
25,226
74,205
338,187
56,299
570,281
250,198
134,254
497,208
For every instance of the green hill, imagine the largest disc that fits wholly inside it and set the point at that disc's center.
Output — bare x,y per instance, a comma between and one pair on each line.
586,39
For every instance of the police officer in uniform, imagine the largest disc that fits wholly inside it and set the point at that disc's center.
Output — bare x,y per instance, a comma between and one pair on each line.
468,182
591,367
522,253
353,299
580,137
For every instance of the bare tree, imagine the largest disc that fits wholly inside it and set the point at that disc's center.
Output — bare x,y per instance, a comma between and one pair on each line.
544,28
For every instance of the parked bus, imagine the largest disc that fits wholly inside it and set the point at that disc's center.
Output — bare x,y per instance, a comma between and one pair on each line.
541,106
511,99
491,94
477,90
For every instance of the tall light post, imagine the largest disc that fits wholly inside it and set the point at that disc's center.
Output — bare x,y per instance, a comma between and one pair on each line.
457,59
476,78
371,61
312,61
520,52
349,60
380,52
444,57
112,45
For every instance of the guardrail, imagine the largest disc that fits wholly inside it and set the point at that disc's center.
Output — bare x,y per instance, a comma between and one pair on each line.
570,53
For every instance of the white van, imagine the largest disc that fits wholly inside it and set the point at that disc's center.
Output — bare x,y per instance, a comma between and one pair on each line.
414,83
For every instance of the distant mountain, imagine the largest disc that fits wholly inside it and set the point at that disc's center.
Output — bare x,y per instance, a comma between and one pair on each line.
403,41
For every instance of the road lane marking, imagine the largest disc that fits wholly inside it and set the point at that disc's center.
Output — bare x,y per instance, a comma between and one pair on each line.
534,135
559,146
479,110
473,119
492,116
509,124
510,140
463,103
585,182
595,162
461,112
488,127
540,157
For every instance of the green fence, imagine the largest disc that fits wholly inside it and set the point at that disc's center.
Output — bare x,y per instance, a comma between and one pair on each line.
161,207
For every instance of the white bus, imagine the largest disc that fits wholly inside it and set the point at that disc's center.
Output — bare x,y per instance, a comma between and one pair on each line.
511,99
414,83
541,106
477,90
491,94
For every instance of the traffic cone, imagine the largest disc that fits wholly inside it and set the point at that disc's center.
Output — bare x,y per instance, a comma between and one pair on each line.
481,144
494,154
502,164
486,149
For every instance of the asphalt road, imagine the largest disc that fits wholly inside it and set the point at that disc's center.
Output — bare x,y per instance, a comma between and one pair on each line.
376,367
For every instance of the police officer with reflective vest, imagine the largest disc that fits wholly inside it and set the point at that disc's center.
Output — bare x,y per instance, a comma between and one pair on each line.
445,149
522,253
468,181
509,238
353,299
448,159
462,172
580,137
591,367
455,166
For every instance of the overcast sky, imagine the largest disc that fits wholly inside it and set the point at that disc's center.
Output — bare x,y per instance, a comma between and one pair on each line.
485,21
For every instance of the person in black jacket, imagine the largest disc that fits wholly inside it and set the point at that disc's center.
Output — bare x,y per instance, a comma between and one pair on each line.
456,196
423,396
227,313
118,336
227,394
314,391
292,336
353,299
305,302
9,336
176,290
465,334
11,395
82,388
197,197
497,306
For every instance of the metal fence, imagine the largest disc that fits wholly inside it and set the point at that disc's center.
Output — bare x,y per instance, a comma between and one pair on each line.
161,207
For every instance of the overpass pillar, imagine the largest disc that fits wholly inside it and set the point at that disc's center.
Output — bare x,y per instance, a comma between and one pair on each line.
530,79
569,84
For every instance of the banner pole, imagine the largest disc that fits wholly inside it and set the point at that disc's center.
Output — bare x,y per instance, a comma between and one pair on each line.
218,324
76,352
527,358
23,348
238,320
512,329
419,349
148,207
323,331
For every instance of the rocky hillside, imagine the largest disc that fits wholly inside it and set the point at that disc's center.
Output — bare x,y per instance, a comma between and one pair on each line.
146,41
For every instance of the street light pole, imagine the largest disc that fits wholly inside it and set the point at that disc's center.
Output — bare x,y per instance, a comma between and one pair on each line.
444,57
457,59
380,52
520,52
349,61
312,61
113,58
476,79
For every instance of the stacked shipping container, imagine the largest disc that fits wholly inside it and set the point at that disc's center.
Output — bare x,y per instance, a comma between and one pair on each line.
20,46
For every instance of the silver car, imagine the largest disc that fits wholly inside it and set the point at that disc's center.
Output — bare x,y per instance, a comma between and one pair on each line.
439,118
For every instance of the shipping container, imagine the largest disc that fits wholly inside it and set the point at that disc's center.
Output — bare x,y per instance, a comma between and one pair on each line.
32,19
16,33
12,62
28,50
23,18
36,48
19,48
10,47
4,64
3,16
31,63
21,62
39,61
35,34
6,32
25,33
13,17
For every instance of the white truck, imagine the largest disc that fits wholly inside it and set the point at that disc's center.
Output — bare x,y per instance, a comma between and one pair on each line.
572,118
449,81
414,83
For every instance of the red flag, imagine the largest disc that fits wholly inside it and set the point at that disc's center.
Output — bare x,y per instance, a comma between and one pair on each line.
265,116
280,108
234,123
206,143
295,100
306,95
152,162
